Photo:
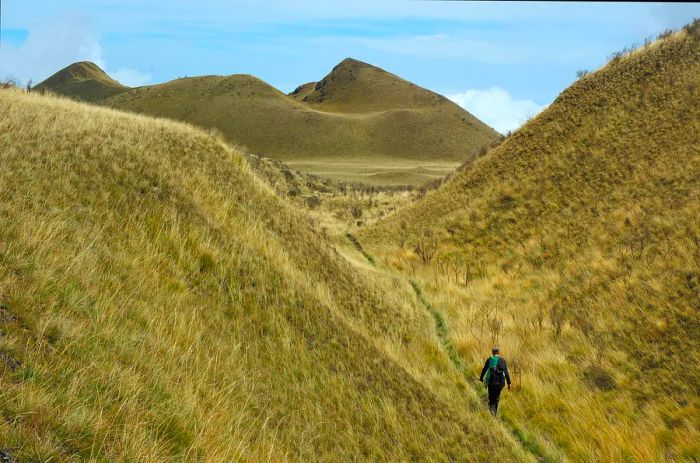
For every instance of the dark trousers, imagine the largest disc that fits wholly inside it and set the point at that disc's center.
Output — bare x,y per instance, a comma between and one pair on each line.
494,396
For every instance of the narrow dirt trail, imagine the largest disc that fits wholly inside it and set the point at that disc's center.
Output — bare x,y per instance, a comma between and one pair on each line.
528,442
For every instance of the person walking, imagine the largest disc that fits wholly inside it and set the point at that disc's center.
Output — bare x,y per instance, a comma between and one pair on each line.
495,375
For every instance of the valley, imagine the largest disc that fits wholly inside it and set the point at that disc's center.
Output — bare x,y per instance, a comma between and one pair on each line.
211,270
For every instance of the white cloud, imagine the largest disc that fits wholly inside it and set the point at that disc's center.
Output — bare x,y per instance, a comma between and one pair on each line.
131,77
496,107
50,46
53,45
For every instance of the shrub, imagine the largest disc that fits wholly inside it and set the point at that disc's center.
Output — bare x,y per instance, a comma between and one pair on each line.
665,34
356,211
557,319
9,82
206,262
313,202
599,378
616,56
426,246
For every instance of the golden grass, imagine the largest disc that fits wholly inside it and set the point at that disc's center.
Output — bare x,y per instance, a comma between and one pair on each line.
165,305
575,245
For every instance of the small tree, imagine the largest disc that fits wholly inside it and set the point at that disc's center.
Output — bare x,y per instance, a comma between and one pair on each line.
665,34
486,321
426,247
494,324
313,202
403,233
9,82
582,73
556,317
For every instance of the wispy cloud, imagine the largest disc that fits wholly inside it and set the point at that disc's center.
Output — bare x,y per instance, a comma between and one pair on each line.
131,77
54,44
50,45
496,107
532,48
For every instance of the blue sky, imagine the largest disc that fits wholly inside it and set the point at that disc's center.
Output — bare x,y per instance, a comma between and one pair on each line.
502,61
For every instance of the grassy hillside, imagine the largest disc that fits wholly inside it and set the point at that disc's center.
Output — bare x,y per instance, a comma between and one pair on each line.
376,119
575,245
82,81
356,87
158,302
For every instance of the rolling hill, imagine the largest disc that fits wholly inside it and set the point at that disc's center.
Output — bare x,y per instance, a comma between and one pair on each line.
158,302
83,81
357,115
357,87
575,245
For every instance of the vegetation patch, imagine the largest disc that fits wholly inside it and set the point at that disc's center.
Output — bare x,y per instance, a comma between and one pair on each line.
573,245
359,247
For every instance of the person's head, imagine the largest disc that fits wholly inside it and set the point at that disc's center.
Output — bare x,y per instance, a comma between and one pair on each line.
495,351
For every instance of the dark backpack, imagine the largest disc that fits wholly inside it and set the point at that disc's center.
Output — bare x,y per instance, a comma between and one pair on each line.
497,374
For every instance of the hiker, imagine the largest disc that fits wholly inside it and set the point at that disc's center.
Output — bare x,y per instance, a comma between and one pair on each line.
493,374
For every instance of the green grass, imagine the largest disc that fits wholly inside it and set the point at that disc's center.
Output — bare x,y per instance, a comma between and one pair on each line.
376,171
373,118
574,246
442,332
356,244
82,81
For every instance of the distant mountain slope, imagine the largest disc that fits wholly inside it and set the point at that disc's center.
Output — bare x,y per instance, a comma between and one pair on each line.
159,303
577,241
374,116
356,87
82,81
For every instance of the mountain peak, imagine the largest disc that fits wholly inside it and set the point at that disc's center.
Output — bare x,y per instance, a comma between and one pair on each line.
83,80
82,70
352,62
359,87
351,65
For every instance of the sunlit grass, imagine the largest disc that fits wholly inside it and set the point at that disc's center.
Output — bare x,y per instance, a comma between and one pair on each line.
165,305
575,247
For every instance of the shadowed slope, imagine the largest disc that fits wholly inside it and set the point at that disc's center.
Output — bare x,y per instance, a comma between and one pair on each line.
576,242
160,303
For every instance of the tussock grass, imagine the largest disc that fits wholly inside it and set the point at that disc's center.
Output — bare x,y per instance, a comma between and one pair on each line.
575,247
164,304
